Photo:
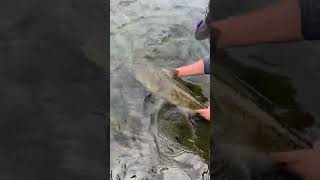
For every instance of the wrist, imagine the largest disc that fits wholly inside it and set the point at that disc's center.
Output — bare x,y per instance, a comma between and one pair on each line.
206,65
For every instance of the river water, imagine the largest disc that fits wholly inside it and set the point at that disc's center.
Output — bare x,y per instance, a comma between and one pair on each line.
143,128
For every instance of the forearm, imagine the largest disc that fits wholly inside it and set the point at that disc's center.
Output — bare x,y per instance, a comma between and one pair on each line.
278,22
200,67
191,69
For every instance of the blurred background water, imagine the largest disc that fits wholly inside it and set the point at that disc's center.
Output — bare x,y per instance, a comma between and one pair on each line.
53,97
265,99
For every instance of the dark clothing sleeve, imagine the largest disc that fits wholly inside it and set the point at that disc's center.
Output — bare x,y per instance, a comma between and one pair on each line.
310,19
206,61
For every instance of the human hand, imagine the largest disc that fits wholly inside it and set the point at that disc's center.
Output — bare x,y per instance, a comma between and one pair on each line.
196,68
205,113
306,163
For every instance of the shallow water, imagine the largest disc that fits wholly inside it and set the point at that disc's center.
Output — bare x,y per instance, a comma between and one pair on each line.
261,99
150,139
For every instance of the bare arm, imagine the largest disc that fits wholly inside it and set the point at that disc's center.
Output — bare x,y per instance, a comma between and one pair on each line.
278,22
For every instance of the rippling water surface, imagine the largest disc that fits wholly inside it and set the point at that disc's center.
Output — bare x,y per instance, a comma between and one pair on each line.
149,138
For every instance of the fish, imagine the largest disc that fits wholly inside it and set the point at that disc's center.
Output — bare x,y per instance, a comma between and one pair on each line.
162,82
170,104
